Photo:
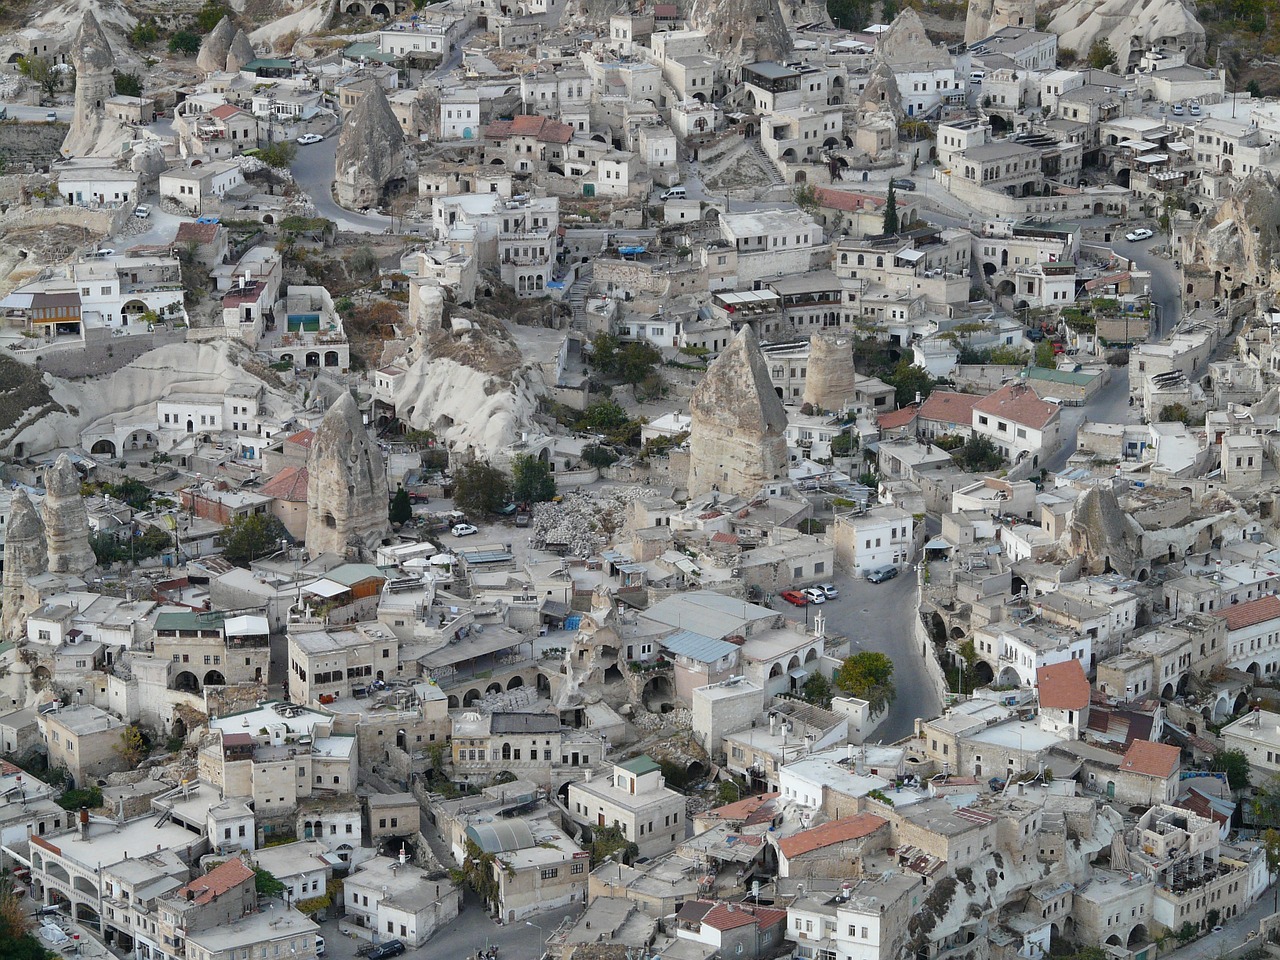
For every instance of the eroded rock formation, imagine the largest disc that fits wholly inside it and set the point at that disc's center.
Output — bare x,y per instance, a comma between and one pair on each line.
1236,248
906,45
240,53
737,439
346,485
92,131
831,380
370,151
742,31
1129,27
985,17
215,46
24,557
1105,537
66,522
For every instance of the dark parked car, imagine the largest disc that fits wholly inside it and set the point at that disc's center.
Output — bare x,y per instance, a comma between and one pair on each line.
882,574
902,183
1035,335
391,948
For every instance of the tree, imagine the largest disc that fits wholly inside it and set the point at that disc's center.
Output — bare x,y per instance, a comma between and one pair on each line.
184,41
266,883
42,72
209,15
635,362
890,212
1174,412
480,489
817,690
1271,844
603,416
1186,932
254,535
1235,764
889,10
401,510
131,491
604,353
728,791
1254,89
1045,356
978,455
75,799
363,261
908,380
531,481
144,33
867,676
133,745
278,154
128,84
15,926
1101,55
805,197
594,455
611,841
850,14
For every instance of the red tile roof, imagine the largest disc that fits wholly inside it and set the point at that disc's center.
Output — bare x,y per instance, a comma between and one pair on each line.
741,809
849,201
199,233
302,438
944,406
730,916
217,881
729,538
837,831
1063,686
1248,614
224,111
898,418
289,484
1151,759
1018,403
529,125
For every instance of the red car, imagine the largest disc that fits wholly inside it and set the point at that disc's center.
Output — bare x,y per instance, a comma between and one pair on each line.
795,597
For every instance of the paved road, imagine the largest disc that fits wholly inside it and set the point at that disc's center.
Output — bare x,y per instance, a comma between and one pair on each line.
880,617
313,171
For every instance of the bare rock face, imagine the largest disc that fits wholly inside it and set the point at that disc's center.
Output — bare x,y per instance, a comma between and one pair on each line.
66,523
905,44
91,130
985,17
1130,27
24,557
346,485
1238,241
1105,537
240,53
215,46
830,381
742,31
370,151
737,438
881,91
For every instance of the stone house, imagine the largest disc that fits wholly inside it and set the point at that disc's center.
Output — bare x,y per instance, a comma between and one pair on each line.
733,929
386,899
634,797
84,740
825,851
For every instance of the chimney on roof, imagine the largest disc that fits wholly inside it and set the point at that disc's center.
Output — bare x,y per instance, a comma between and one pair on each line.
84,823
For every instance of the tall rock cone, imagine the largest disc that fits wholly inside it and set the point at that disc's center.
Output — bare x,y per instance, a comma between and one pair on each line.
240,53
830,380
92,131
346,485
212,57
24,557
737,433
370,151
66,522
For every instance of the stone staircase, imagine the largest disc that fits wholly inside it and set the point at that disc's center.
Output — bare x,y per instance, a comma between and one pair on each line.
775,176
576,297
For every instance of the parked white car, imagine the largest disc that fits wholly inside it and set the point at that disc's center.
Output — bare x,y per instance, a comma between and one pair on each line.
1142,233
307,138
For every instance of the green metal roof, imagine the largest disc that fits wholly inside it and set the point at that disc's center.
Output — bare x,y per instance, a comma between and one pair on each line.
640,765
209,620
268,62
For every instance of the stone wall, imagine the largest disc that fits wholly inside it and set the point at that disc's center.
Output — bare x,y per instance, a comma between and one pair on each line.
31,142
103,354
102,221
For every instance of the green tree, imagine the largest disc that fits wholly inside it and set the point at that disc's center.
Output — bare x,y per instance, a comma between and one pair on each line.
144,33
1044,355
610,841
209,15
1235,764
75,799
729,791
594,455
1174,412
15,926
133,745
184,41
531,480
1254,89
401,510
850,14
889,10
480,489
250,537
890,226
602,416
978,455
806,197
128,84
604,353
1186,932
1271,845
907,381
363,261
42,72
266,883
867,676
636,362
131,491
278,154
817,690
1101,55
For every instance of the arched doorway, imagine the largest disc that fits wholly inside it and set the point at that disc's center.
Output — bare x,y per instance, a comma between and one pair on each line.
214,678
103,448
658,695
186,682
516,681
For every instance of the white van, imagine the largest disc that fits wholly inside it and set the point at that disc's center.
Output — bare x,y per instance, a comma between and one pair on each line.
319,945
675,193
977,76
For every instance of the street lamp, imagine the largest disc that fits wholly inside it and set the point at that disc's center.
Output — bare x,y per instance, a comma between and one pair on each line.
543,949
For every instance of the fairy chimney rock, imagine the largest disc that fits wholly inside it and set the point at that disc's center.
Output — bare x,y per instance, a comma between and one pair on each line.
66,522
95,84
370,151
905,43
346,485
830,379
212,57
25,557
737,436
240,53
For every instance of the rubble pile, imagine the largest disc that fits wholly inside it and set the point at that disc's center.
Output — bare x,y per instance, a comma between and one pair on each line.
582,522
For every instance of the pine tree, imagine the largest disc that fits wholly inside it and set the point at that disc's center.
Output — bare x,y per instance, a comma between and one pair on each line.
890,212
